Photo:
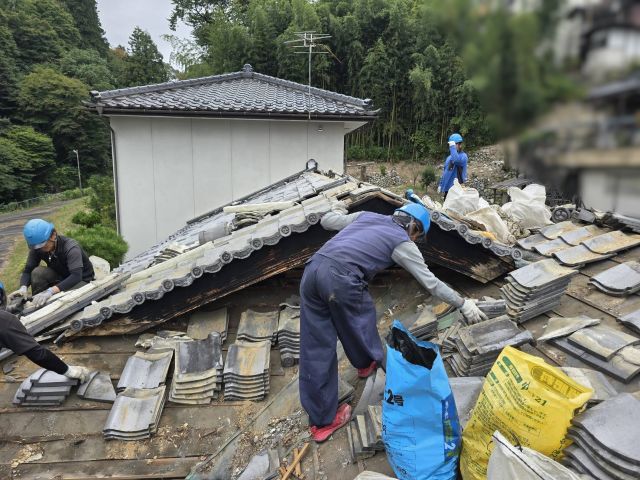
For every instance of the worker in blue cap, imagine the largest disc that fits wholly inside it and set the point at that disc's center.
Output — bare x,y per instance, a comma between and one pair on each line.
335,302
14,336
455,166
67,264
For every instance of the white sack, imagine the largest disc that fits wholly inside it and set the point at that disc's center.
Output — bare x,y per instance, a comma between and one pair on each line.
367,475
510,463
527,206
460,200
491,221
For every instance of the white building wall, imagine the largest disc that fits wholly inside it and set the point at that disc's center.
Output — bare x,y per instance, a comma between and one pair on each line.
170,170
620,49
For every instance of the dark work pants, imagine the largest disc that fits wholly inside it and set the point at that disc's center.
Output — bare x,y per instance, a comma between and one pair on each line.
45,277
335,304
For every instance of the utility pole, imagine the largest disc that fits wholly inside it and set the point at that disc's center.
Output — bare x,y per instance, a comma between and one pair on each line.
78,163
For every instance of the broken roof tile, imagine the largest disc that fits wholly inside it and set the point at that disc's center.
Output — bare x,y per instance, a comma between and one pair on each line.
602,341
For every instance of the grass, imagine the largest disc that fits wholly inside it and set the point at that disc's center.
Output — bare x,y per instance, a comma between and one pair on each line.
10,274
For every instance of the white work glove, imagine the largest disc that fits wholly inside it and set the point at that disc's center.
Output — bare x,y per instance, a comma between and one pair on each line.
339,207
471,312
80,373
452,143
21,292
439,189
40,299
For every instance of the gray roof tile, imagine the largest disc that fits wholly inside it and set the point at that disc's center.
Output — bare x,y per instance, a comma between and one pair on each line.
241,93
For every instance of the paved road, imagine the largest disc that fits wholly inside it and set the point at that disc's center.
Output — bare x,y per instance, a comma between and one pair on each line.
11,225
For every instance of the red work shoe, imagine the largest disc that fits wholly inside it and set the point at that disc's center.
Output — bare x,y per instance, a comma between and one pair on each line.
367,371
343,415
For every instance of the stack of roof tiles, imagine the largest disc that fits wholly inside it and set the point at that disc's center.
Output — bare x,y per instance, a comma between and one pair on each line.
609,350
289,335
202,323
426,325
137,408
145,370
135,414
606,440
44,388
198,371
479,345
258,326
620,281
246,370
574,245
535,289
365,433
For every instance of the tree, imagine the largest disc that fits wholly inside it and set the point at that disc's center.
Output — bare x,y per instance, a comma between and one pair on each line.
89,67
144,63
25,158
8,68
85,15
52,102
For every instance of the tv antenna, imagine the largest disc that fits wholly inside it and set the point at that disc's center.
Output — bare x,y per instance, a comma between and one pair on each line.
305,43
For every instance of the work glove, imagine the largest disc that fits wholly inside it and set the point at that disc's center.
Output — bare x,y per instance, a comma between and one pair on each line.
40,299
21,292
452,143
471,312
80,373
439,189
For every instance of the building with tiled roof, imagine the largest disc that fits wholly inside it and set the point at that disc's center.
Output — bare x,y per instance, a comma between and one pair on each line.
180,147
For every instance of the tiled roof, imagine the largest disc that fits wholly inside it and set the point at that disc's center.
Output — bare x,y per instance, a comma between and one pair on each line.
232,94
312,193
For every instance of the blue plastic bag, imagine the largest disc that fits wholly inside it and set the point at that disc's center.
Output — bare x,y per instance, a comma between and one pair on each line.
420,425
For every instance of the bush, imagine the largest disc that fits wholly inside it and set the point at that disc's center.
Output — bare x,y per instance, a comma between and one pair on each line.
102,199
101,241
383,170
428,176
86,219
62,179
355,152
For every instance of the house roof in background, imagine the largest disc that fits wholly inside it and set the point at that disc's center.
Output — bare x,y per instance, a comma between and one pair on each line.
238,94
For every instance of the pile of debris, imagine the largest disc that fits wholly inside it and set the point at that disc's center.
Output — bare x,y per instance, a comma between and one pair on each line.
386,180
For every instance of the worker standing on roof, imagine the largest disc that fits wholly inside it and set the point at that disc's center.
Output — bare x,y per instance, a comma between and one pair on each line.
14,336
67,264
455,166
335,302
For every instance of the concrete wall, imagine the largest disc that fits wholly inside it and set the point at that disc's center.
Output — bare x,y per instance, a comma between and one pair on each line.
611,190
170,170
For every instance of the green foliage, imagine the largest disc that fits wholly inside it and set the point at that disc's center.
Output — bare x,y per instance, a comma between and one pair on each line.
62,179
52,102
87,219
427,177
101,241
383,170
144,63
25,157
102,199
430,66
88,67
85,15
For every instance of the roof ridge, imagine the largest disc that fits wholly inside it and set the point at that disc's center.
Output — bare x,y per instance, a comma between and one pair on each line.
246,72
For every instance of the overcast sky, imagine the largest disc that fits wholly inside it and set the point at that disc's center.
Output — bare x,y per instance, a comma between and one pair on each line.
120,17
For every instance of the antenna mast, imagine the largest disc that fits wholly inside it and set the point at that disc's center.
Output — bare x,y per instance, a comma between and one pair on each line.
307,41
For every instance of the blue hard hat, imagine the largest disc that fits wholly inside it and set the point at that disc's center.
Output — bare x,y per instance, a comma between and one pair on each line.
36,232
456,137
418,212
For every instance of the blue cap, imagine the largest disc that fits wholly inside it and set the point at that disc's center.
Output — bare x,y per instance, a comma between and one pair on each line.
36,232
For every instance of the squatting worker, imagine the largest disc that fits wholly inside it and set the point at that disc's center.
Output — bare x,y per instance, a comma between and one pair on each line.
67,264
335,302
455,166
14,336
